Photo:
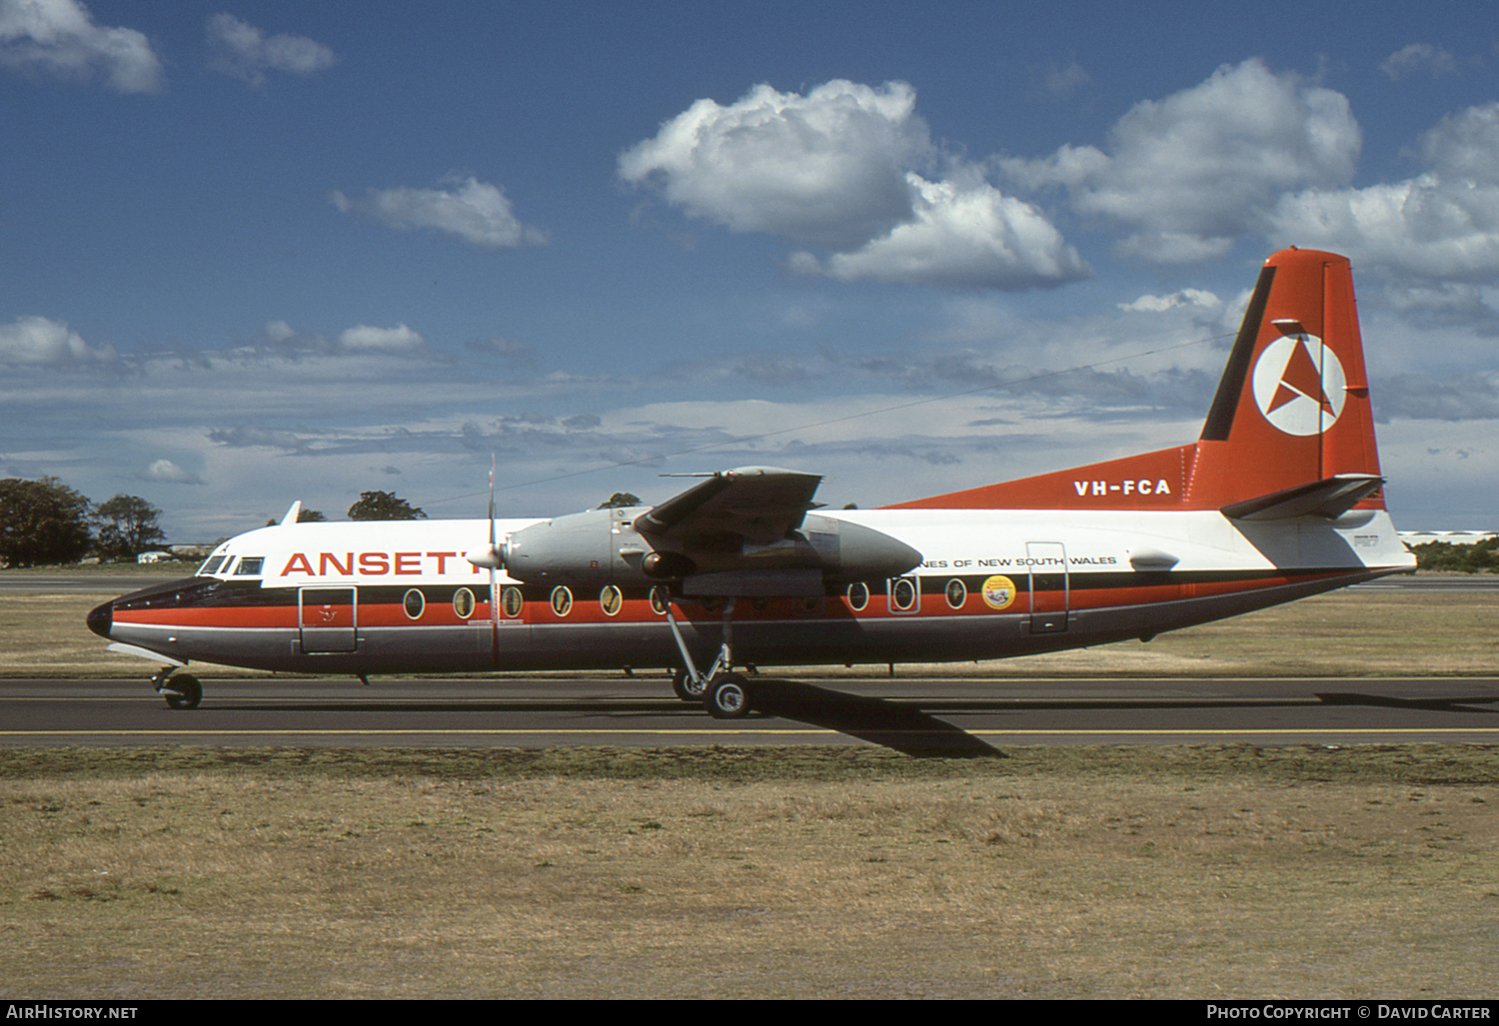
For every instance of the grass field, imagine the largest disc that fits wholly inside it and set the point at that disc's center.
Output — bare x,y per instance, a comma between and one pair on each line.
1099,873
1186,872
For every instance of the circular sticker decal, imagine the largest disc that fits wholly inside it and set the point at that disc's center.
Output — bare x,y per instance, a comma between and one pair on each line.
1299,385
999,592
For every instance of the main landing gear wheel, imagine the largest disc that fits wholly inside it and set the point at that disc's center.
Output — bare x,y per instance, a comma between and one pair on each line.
687,689
182,691
727,697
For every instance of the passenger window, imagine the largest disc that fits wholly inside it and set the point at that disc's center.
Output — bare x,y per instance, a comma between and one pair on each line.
611,600
414,602
904,594
463,603
511,602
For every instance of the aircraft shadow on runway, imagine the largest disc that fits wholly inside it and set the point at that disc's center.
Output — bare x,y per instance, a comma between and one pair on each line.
894,725
1453,704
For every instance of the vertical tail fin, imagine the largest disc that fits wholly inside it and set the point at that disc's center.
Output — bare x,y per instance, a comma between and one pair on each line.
1290,431
1293,407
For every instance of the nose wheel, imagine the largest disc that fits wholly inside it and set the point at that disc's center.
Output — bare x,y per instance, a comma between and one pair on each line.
182,690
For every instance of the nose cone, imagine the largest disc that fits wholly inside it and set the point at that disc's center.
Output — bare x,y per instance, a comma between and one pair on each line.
101,619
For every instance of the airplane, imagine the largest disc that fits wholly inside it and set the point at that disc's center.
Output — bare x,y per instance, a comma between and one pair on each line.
1279,498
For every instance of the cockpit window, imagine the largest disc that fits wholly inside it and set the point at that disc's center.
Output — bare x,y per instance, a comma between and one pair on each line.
211,567
249,566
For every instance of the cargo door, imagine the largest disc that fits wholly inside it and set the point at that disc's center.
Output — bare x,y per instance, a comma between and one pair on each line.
328,618
1047,562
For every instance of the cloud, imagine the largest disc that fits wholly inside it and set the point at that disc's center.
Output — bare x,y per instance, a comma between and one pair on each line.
846,169
1158,304
475,211
167,472
242,51
59,38
242,437
825,169
1060,82
37,341
509,350
1441,225
1433,60
964,234
363,339
1191,173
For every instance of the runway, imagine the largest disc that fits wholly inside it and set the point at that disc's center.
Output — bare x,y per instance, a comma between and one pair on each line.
918,716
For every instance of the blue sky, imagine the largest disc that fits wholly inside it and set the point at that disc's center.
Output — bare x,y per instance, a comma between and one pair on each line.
257,252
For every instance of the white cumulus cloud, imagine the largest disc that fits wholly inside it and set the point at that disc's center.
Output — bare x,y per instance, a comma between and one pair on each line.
964,234
847,169
364,338
1442,224
1159,304
59,38
475,211
242,51
1434,60
1188,174
167,472
827,169
38,341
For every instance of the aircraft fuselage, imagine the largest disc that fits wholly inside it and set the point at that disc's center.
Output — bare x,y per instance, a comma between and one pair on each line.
400,597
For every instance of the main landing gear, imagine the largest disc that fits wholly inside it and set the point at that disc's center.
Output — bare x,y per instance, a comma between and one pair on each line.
725,695
181,690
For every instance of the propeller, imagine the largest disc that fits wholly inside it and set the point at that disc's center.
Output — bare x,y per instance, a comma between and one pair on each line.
494,589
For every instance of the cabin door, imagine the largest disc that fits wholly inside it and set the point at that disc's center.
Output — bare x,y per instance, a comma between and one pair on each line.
1048,572
327,617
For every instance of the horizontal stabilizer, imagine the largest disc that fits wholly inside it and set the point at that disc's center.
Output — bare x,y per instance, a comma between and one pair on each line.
1330,498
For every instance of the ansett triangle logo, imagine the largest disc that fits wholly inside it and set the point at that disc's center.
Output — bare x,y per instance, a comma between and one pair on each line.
1299,385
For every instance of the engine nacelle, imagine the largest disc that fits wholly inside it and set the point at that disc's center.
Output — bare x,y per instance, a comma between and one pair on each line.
601,546
597,546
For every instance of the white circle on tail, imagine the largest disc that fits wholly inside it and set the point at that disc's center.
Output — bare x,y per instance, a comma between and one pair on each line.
1299,385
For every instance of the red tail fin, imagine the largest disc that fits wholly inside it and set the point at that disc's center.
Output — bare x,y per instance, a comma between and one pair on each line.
1291,415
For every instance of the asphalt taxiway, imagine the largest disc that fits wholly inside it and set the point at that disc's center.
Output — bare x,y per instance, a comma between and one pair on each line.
919,716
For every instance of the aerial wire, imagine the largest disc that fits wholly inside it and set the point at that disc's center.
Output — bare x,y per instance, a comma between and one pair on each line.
897,407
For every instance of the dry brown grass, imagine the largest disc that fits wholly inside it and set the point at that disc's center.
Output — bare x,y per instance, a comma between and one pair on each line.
1199,873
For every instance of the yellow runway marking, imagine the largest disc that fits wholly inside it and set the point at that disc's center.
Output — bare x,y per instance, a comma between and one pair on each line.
729,732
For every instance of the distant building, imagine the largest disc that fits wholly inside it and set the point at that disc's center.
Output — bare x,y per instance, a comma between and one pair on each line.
1450,537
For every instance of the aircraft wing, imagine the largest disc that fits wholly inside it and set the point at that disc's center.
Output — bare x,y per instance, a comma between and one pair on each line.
751,505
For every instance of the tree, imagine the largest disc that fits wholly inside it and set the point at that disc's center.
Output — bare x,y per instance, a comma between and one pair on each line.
127,527
383,506
305,516
42,522
620,499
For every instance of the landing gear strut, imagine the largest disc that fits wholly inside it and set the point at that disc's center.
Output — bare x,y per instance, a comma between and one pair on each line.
725,695
182,691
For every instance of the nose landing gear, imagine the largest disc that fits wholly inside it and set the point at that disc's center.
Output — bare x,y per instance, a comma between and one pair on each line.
182,690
